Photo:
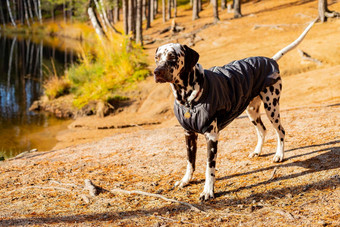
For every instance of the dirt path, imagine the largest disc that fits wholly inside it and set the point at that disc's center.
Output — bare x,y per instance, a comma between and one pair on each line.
144,146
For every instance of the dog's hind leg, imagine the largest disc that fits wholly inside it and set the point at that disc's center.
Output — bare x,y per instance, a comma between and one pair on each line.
191,142
271,97
253,111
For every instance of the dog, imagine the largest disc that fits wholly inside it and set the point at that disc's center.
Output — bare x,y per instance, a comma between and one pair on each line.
206,101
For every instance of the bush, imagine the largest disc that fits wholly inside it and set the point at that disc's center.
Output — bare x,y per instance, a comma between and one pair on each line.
111,67
56,87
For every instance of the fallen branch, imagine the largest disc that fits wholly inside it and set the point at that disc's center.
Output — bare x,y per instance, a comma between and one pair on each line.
273,173
307,57
93,189
117,190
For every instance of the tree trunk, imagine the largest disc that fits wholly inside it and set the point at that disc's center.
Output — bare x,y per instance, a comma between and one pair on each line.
169,9
163,10
100,15
125,16
148,15
223,4
64,11
26,14
95,23
139,23
195,10
237,9
2,18
156,7
115,11
215,7
10,14
152,6
175,8
30,9
199,5
131,19
106,20
39,11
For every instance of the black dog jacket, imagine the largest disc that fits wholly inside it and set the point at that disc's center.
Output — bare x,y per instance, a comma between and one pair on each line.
227,91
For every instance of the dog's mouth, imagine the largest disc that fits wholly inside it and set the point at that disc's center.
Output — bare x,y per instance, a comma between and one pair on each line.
159,79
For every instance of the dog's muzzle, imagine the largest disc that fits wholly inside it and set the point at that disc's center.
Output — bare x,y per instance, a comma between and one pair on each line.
160,74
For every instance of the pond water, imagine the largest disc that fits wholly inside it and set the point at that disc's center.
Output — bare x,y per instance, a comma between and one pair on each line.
25,64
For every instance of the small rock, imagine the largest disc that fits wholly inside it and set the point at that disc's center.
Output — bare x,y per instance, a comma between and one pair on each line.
159,191
220,220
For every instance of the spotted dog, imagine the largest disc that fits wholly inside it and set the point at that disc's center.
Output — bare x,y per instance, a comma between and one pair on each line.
206,101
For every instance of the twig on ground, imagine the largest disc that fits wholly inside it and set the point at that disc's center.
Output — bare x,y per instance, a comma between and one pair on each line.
65,184
284,213
93,190
307,57
273,174
117,190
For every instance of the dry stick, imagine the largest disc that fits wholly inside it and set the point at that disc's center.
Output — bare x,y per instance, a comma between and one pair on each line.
155,195
307,57
273,174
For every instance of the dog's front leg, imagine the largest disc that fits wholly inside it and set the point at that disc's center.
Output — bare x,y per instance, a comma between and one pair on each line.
212,139
191,142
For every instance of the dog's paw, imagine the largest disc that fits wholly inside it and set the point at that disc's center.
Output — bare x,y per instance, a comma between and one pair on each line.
253,155
181,183
207,195
278,158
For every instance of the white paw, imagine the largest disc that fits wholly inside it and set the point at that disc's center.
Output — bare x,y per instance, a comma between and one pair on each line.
207,195
253,154
278,158
181,183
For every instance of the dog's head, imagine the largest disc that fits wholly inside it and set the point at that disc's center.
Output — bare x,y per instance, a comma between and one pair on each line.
173,62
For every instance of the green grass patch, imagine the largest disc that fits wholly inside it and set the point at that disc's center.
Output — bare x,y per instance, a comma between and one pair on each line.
108,69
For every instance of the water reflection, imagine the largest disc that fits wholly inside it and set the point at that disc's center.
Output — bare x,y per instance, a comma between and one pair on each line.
24,65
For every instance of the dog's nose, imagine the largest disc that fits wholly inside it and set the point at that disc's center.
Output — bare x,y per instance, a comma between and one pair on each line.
158,71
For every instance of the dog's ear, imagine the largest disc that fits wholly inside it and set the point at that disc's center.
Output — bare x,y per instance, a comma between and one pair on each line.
190,58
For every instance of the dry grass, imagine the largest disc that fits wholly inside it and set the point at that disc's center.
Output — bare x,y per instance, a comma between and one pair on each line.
303,191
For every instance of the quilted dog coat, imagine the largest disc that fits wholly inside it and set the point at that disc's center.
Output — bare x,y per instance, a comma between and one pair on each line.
227,91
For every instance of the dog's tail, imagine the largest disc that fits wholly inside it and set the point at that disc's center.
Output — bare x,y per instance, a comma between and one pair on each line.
282,52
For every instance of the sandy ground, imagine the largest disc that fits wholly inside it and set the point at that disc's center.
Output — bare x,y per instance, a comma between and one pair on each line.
142,148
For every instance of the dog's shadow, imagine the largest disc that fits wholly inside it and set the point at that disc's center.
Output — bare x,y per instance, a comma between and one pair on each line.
325,161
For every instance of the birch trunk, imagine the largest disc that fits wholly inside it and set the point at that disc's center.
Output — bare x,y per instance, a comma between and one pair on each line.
10,14
163,10
2,17
139,23
169,9
100,15
106,19
95,23
195,10
148,18
115,11
131,17
39,10
237,9
175,8
125,17
215,7
152,6
26,14
30,9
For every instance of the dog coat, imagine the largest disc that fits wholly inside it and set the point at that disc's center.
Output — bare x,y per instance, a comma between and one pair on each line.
227,91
